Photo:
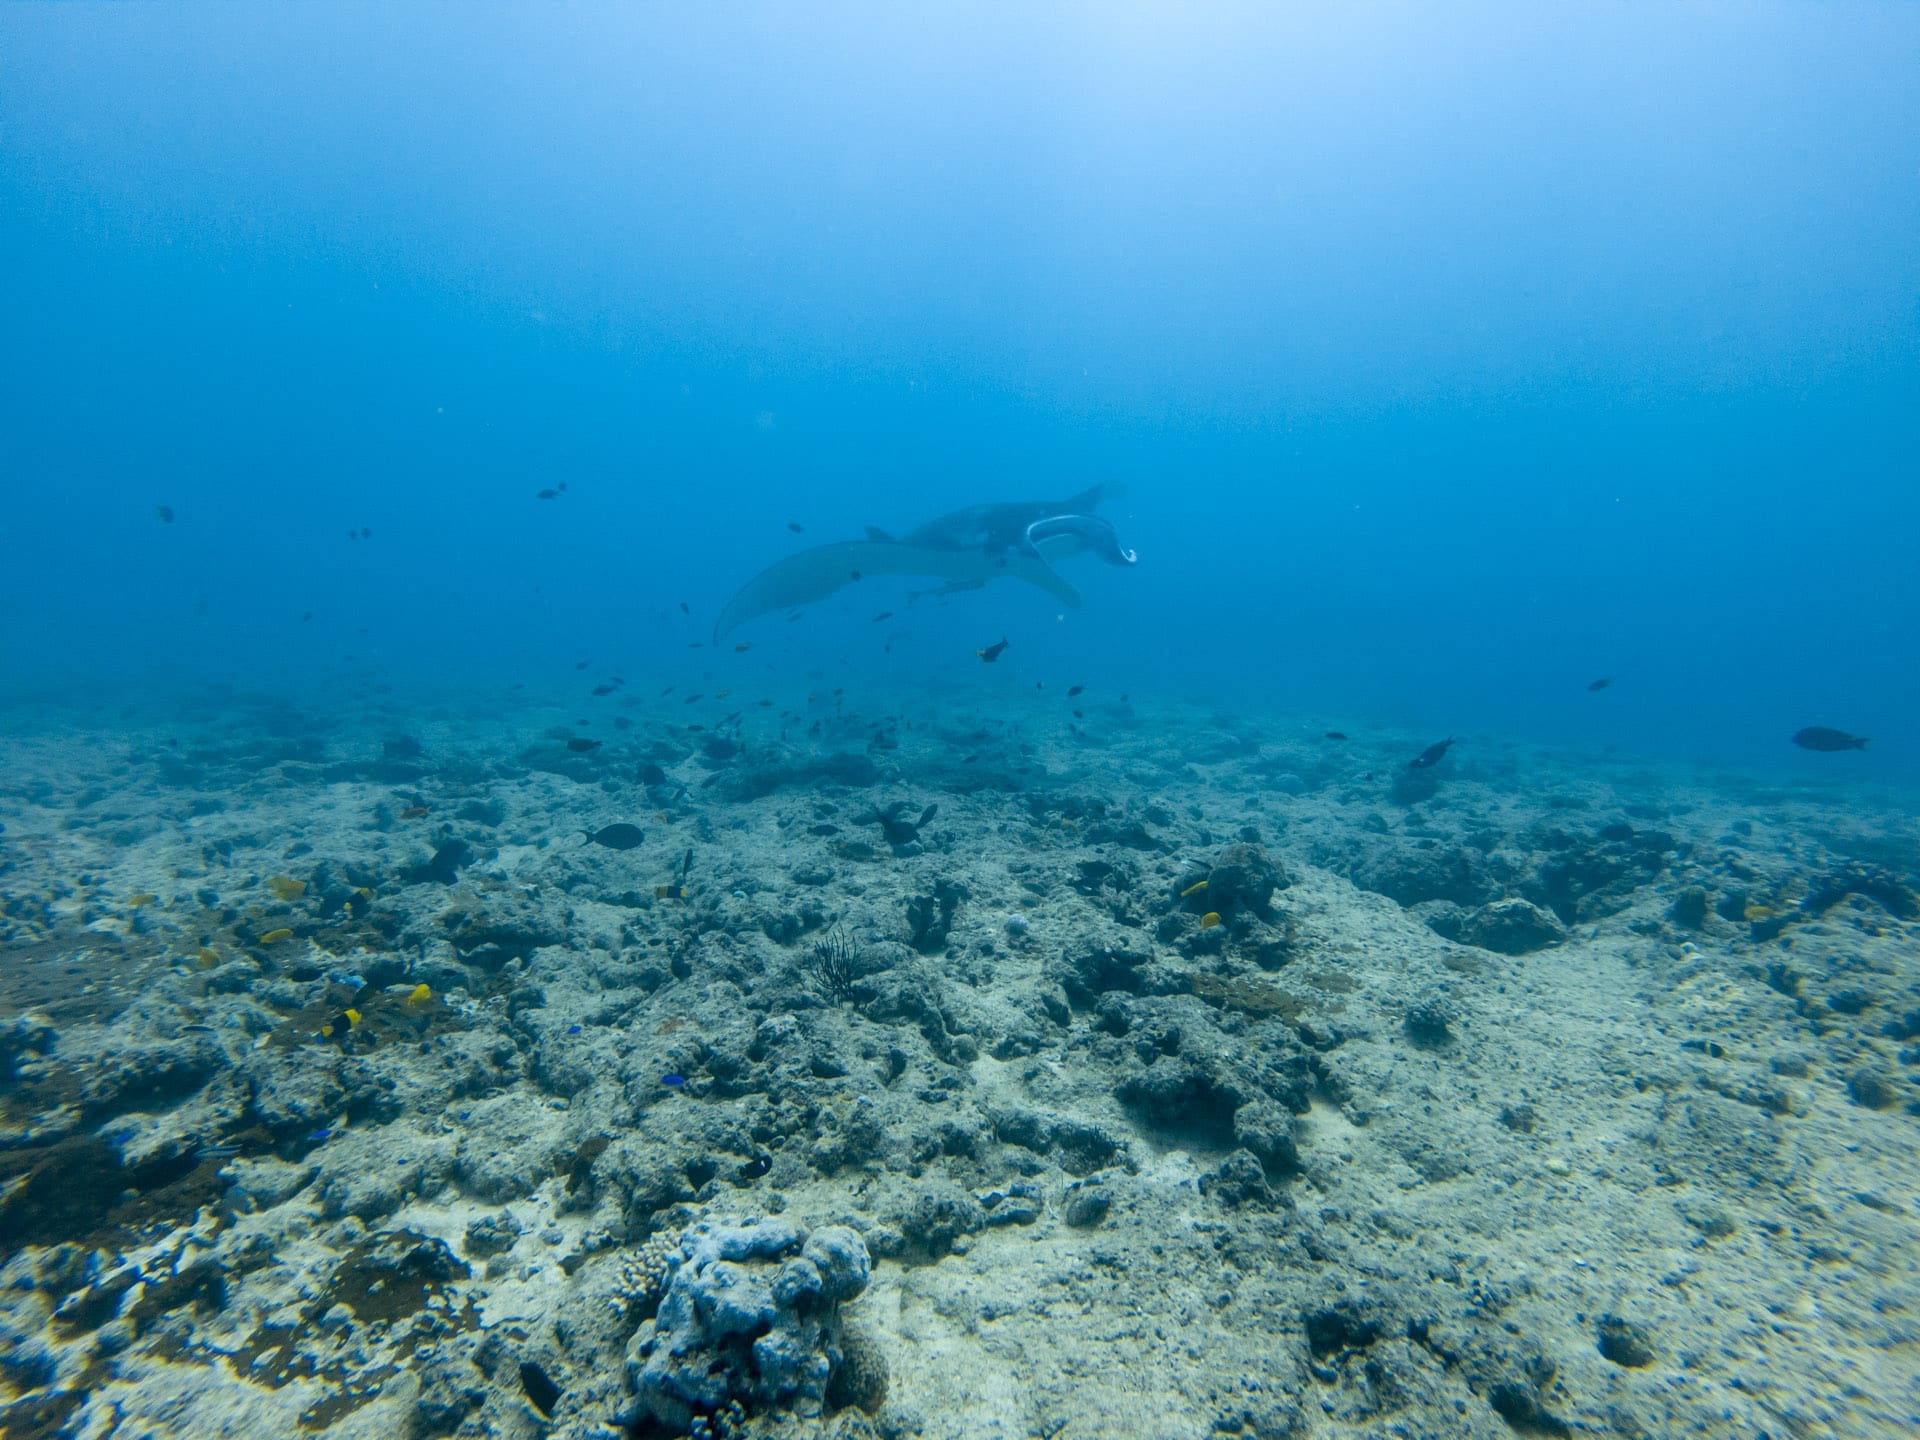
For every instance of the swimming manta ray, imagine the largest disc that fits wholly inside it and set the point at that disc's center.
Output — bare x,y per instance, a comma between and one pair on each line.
966,549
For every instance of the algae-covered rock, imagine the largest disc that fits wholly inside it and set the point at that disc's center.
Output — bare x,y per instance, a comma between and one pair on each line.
752,1315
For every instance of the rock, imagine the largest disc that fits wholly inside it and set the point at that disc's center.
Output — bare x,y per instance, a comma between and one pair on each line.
938,1217
492,1235
1019,1204
1429,1024
1270,1131
1238,1180
751,1317
1087,1205
1689,908
1873,1089
1511,927
1352,1322
1625,1343
263,1184
1243,878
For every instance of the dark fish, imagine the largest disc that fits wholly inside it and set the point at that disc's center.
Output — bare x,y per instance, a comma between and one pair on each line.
215,1152
673,1082
581,746
165,512
1819,737
1601,683
1073,690
581,664
795,526
1430,756
1335,735
883,615
575,1029
603,689
686,863
652,774
992,652
548,495
856,574
366,532
683,608
619,836
306,616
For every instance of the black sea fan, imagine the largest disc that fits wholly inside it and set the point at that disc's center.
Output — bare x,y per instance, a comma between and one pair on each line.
829,965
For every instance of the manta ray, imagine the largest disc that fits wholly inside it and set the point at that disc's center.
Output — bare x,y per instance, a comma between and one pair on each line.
966,549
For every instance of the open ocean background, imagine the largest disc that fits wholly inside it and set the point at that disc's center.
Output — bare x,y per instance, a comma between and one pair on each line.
1451,358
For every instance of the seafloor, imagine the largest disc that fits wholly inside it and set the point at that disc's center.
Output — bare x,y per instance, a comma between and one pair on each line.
350,1089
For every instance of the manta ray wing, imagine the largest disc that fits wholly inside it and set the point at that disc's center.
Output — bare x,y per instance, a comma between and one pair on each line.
815,574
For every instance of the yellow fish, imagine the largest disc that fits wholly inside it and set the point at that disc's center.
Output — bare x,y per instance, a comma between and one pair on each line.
1197,886
285,887
274,937
207,958
1210,919
1755,911
145,897
353,1019
420,997
669,892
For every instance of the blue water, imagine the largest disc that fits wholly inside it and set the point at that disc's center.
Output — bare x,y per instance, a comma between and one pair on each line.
1450,357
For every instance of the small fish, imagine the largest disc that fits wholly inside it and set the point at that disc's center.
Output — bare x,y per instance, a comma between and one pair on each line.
196,1029
796,527
1210,919
1073,690
165,512
581,664
856,574
1197,886
992,652
420,998
619,836
883,615
1819,737
306,616
366,532
669,892
215,1152
1334,735
414,812
603,689
683,608
1430,756
553,492
743,647
285,887
1602,683
574,1029
320,1136
144,898
580,746
673,1082
274,937
652,774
